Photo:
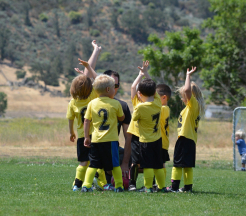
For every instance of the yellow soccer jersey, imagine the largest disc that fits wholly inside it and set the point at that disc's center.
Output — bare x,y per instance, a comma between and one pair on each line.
165,113
133,126
189,119
76,109
148,116
103,112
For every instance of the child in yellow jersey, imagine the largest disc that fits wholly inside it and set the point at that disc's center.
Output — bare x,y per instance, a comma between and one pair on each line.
103,112
164,92
82,93
185,148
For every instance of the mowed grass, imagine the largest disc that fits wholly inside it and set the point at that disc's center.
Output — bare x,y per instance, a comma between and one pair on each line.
43,187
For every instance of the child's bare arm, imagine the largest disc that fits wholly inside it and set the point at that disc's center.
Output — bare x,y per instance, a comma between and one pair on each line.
143,72
121,118
89,72
187,86
72,134
87,141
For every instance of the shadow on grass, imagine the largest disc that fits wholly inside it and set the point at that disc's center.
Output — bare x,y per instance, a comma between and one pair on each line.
197,192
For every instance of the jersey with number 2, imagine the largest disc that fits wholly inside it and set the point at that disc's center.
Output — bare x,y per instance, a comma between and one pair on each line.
103,113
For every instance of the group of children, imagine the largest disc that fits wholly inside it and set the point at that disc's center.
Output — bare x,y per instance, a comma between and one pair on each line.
98,113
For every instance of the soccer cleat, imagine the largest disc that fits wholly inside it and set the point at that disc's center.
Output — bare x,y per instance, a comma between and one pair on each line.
118,190
146,190
170,189
76,188
163,190
96,185
132,188
184,190
85,189
108,187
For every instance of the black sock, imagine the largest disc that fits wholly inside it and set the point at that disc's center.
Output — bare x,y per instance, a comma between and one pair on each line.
97,175
175,184
154,181
133,174
188,187
78,183
108,178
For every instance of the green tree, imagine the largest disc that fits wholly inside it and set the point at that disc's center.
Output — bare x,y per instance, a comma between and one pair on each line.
3,103
56,23
4,40
170,57
224,63
26,8
71,61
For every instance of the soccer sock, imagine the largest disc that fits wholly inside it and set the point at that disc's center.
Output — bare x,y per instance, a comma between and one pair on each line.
90,174
148,177
154,181
188,176
176,177
160,177
165,173
117,174
80,174
133,174
101,178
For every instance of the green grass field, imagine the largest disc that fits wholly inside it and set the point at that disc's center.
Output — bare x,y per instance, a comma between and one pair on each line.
43,187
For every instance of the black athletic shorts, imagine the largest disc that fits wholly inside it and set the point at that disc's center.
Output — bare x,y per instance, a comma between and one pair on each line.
184,153
135,146
165,156
151,154
104,155
82,151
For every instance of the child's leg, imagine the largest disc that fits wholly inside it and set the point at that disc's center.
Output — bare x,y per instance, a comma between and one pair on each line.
133,175
90,173
80,173
188,178
117,174
101,178
148,177
176,177
160,177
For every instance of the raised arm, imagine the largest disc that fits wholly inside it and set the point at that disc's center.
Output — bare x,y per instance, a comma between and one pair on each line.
143,72
187,86
89,71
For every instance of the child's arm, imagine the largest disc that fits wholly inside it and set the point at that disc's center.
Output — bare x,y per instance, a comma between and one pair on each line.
143,72
92,61
89,69
187,86
87,141
72,134
121,118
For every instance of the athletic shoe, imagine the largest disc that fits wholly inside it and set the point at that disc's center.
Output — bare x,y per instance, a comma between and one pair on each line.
163,190
96,185
144,189
155,188
183,190
118,190
170,189
85,189
108,187
76,188
132,188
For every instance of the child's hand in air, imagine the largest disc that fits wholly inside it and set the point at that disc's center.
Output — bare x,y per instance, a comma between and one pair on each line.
192,70
95,46
79,71
144,68
84,63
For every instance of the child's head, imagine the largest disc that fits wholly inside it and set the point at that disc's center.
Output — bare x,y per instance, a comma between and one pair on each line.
81,87
239,134
104,84
147,87
165,93
197,93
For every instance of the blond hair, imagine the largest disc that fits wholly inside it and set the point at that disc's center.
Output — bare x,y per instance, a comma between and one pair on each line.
81,87
102,82
197,93
240,133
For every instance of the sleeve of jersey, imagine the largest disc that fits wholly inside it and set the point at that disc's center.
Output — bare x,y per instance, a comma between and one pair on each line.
88,112
70,113
135,114
193,104
238,142
120,112
135,101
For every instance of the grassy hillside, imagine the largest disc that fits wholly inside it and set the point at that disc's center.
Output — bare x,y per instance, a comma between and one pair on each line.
52,34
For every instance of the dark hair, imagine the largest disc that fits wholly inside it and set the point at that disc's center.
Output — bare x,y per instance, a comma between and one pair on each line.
163,89
110,73
147,87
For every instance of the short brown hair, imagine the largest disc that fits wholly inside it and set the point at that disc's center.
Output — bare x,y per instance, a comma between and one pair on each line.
81,87
163,89
147,87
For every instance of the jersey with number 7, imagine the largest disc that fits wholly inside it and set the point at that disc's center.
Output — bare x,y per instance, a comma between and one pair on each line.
148,116
103,113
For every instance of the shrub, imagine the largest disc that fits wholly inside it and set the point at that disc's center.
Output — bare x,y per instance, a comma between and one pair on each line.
183,22
106,56
3,103
94,32
20,74
19,64
43,17
75,17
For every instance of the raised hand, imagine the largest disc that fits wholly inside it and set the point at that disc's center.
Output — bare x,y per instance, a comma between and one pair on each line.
95,46
144,68
79,71
84,63
192,70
